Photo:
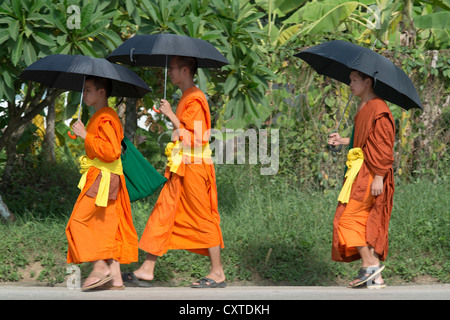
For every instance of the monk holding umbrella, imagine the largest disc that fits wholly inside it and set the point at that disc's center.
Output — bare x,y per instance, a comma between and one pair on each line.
362,216
185,215
100,229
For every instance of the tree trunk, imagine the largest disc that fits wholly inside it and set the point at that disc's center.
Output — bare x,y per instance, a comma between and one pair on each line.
49,143
11,150
19,118
5,214
408,35
130,118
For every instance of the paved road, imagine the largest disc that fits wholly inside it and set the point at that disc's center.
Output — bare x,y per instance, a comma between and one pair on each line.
237,293
231,302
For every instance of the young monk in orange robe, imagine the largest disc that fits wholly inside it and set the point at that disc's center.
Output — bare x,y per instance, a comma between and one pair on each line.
186,214
360,228
100,229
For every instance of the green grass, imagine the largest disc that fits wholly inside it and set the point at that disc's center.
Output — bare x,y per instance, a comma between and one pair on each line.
274,233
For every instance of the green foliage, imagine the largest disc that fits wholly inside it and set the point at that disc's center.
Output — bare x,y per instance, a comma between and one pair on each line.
33,249
40,187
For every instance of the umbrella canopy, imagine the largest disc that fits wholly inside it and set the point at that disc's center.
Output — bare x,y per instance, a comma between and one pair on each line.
153,50
337,58
69,71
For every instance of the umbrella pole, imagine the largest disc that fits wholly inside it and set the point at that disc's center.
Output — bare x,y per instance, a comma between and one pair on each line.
81,98
336,149
165,85
165,79
73,136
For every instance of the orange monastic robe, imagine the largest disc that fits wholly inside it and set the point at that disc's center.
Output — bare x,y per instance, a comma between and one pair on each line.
94,232
186,214
365,219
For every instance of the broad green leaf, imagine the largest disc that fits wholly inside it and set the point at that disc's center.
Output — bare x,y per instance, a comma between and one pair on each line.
16,6
43,38
7,78
327,21
87,50
280,7
29,54
17,51
6,20
436,20
287,34
14,29
95,29
86,14
4,35
230,83
149,9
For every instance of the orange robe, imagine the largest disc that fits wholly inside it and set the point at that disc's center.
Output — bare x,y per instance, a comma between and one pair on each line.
365,219
186,213
94,232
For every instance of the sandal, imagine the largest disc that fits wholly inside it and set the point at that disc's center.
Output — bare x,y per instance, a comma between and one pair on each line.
376,283
208,283
103,279
108,286
131,278
367,274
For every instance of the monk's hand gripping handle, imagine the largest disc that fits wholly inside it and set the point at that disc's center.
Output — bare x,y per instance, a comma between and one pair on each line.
335,148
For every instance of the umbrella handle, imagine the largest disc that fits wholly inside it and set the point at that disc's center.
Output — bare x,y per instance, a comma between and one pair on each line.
156,110
71,136
335,148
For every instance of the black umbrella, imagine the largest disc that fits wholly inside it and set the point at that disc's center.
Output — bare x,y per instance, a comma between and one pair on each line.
69,71
337,58
154,51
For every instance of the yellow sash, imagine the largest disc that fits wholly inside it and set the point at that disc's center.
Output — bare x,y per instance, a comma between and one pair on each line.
175,151
355,159
106,169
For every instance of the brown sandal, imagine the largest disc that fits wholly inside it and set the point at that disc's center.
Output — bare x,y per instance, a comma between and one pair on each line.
103,279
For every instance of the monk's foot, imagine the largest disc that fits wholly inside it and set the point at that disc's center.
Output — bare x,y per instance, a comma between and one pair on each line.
212,279
132,279
117,280
96,278
143,275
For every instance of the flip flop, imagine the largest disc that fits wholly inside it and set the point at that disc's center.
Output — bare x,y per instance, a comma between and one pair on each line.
130,278
108,286
103,279
208,283
367,274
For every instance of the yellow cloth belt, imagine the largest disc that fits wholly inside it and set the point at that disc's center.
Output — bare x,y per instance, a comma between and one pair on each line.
355,159
106,169
175,152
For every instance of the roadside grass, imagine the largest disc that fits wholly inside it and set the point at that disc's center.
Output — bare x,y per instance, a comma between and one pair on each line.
274,232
